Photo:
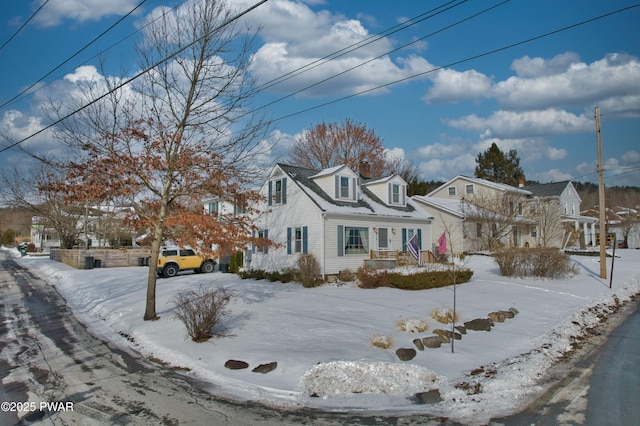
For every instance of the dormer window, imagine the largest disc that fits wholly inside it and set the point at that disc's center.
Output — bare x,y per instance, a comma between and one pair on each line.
345,188
397,194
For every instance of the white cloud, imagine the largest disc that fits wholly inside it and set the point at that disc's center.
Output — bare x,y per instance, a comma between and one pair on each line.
611,78
509,124
553,175
55,12
440,149
555,154
453,86
527,67
296,38
445,169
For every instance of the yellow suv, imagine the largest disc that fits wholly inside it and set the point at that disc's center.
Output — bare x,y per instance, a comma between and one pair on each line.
173,260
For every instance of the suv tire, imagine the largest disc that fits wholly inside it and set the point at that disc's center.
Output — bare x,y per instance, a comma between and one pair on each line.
170,270
207,267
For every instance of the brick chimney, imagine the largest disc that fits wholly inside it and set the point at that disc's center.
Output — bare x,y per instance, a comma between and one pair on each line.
521,182
365,169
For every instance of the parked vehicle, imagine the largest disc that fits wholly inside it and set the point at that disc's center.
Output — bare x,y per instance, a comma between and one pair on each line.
173,260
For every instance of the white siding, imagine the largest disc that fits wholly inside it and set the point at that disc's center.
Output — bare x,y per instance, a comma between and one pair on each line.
298,211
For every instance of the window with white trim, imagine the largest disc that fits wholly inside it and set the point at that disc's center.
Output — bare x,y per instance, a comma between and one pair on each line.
356,240
452,191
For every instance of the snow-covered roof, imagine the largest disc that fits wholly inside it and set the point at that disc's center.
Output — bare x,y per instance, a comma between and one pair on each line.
367,202
488,183
448,205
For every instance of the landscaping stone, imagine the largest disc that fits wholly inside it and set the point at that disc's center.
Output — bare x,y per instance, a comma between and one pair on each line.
430,397
461,329
496,316
479,324
508,314
444,336
418,344
233,364
265,368
406,354
514,311
432,342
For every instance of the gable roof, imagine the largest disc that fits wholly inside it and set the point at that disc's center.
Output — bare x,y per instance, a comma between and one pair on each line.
553,189
488,183
448,205
367,203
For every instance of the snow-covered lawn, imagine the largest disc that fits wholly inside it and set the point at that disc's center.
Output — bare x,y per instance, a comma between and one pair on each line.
321,337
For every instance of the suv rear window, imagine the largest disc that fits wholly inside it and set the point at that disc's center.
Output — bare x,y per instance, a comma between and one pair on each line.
170,253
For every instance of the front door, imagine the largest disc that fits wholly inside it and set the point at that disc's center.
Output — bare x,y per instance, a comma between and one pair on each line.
384,242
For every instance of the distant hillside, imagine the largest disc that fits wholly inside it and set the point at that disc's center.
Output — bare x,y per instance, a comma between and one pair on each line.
623,196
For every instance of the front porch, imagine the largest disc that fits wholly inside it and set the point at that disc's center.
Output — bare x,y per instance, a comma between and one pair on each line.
389,259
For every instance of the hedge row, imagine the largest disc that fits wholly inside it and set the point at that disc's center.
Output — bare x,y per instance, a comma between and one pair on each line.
418,281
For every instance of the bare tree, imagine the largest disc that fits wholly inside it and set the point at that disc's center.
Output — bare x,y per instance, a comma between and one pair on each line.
491,218
547,214
32,192
334,144
183,132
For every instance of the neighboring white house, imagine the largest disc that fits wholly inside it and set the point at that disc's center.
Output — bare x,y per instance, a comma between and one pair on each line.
478,213
562,200
339,216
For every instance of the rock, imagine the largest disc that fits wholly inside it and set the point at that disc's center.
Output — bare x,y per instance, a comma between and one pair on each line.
233,364
430,397
508,314
496,316
418,344
406,354
479,324
514,311
432,342
265,368
447,335
461,329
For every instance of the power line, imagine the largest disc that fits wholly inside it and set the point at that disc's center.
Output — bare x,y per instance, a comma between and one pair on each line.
461,61
24,25
471,58
360,44
141,73
10,101
382,55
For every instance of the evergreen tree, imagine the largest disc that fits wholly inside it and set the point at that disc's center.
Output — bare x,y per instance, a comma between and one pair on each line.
496,166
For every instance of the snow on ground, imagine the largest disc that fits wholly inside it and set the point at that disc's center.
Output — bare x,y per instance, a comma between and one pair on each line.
320,337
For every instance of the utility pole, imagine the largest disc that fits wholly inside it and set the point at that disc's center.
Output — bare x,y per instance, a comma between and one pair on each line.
603,219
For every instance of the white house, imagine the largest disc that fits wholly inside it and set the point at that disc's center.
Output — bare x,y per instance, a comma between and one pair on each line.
477,213
341,217
563,200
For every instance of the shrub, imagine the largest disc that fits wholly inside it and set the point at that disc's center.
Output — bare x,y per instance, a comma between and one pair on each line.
534,262
382,342
202,311
308,270
372,279
418,281
444,315
412,325
235,262
346,275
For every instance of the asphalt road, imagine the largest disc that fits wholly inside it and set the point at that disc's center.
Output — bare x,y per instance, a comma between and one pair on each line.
601,389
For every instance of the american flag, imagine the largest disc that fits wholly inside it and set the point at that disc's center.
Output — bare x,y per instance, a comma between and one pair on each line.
412,245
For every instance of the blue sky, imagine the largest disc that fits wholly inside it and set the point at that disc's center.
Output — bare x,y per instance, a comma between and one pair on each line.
432,91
